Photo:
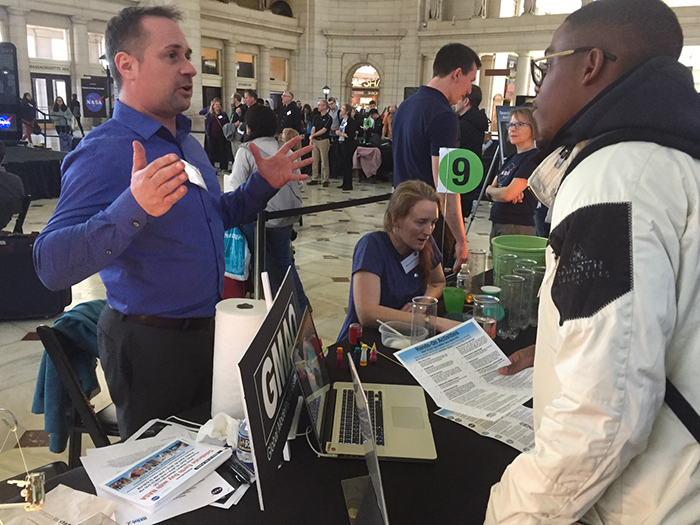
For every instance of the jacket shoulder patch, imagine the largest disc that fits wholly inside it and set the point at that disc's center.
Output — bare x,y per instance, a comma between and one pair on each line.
593,247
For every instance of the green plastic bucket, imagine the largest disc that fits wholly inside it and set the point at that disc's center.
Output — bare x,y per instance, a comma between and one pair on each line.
524,246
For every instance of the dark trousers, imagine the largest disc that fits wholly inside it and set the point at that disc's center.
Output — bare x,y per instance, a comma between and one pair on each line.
335,159
153,372
445,241
80,126
348,148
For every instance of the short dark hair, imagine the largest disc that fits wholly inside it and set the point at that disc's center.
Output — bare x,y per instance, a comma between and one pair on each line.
261,122
251,93
374,111
652,23
237,96
124,32
453,56
475,97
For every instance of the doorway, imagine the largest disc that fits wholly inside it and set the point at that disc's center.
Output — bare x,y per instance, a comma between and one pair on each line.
209,93
46,89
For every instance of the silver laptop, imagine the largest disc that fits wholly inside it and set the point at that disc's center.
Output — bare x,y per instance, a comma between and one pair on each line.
398,413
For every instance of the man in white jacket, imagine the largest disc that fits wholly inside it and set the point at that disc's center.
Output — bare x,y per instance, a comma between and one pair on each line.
620,301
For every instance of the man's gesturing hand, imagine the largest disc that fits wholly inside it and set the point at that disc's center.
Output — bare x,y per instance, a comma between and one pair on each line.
278,169
158,185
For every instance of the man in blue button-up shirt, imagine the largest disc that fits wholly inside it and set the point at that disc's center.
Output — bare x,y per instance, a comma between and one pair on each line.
156,238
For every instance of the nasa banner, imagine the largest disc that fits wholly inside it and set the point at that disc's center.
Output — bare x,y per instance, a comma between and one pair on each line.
94,91
271,386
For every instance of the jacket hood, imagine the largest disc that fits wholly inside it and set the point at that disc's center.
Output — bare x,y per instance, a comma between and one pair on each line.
477,118
655,99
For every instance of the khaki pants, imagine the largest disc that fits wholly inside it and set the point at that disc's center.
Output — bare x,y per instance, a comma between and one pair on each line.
320,152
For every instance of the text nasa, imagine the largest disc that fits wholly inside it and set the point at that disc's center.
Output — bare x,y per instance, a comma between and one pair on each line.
275,373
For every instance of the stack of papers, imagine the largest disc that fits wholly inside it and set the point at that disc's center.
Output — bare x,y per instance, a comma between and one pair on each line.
156,478
459,370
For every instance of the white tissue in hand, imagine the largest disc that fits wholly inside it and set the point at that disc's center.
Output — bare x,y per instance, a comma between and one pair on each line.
221,427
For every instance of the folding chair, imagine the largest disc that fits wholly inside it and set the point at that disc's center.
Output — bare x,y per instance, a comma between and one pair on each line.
98,425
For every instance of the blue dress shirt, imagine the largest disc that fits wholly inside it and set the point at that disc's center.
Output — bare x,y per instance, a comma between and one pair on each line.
169,266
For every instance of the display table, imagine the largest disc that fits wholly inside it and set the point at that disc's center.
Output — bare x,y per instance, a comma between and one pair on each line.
453,489
39,169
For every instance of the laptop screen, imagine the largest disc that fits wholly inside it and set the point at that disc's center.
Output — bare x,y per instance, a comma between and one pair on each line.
313,373
369,443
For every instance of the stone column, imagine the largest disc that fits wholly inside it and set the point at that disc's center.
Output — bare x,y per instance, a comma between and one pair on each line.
522,73
230,72
493,9
292,84
18,36
80,63
264,72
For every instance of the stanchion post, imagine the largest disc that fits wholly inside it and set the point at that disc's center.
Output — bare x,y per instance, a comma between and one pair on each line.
487,180
259,255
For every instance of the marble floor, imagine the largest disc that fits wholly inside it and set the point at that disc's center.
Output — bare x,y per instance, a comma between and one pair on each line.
323,253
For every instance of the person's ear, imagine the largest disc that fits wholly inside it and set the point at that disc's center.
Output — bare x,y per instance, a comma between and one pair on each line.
593,66
126,64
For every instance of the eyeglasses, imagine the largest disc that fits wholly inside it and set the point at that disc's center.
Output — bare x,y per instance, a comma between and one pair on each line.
539,66
517,125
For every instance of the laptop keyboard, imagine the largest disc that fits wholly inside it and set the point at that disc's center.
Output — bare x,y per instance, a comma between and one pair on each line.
350,433
314,407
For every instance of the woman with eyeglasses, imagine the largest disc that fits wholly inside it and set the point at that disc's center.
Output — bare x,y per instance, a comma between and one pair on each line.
513,209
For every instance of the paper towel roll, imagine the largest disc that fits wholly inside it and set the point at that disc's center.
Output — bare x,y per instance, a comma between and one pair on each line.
237,322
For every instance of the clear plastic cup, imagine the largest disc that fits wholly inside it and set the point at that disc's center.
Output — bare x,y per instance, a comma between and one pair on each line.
529,276
423,318
539,277
477,268
486,313
511,301
504,266
525,263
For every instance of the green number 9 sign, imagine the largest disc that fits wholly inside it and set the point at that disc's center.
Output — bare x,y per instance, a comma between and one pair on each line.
461,171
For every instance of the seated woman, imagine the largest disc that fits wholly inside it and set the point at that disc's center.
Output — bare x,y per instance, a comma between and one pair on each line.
513,210
391,267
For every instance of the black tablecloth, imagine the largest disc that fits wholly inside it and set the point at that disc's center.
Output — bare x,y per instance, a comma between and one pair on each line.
39,169
454,489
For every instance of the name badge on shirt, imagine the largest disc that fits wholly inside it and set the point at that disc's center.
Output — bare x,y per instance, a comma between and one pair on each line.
410,262
194,175
289,112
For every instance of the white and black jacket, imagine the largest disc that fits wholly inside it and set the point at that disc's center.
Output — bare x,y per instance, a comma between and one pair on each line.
619,313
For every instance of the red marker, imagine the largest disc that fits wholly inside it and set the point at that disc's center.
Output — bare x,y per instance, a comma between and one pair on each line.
339,358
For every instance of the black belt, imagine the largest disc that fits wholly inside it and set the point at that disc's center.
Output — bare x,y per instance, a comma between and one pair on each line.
169,323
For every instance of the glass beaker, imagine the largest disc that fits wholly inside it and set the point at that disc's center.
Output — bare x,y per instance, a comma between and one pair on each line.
504,266
477,267
486,313
423,318
537,284
529,276
511,301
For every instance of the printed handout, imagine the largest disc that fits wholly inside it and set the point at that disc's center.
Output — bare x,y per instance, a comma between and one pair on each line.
459,369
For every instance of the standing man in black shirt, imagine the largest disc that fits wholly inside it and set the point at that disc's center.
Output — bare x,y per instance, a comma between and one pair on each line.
473,125
319,138
289,114
74,107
